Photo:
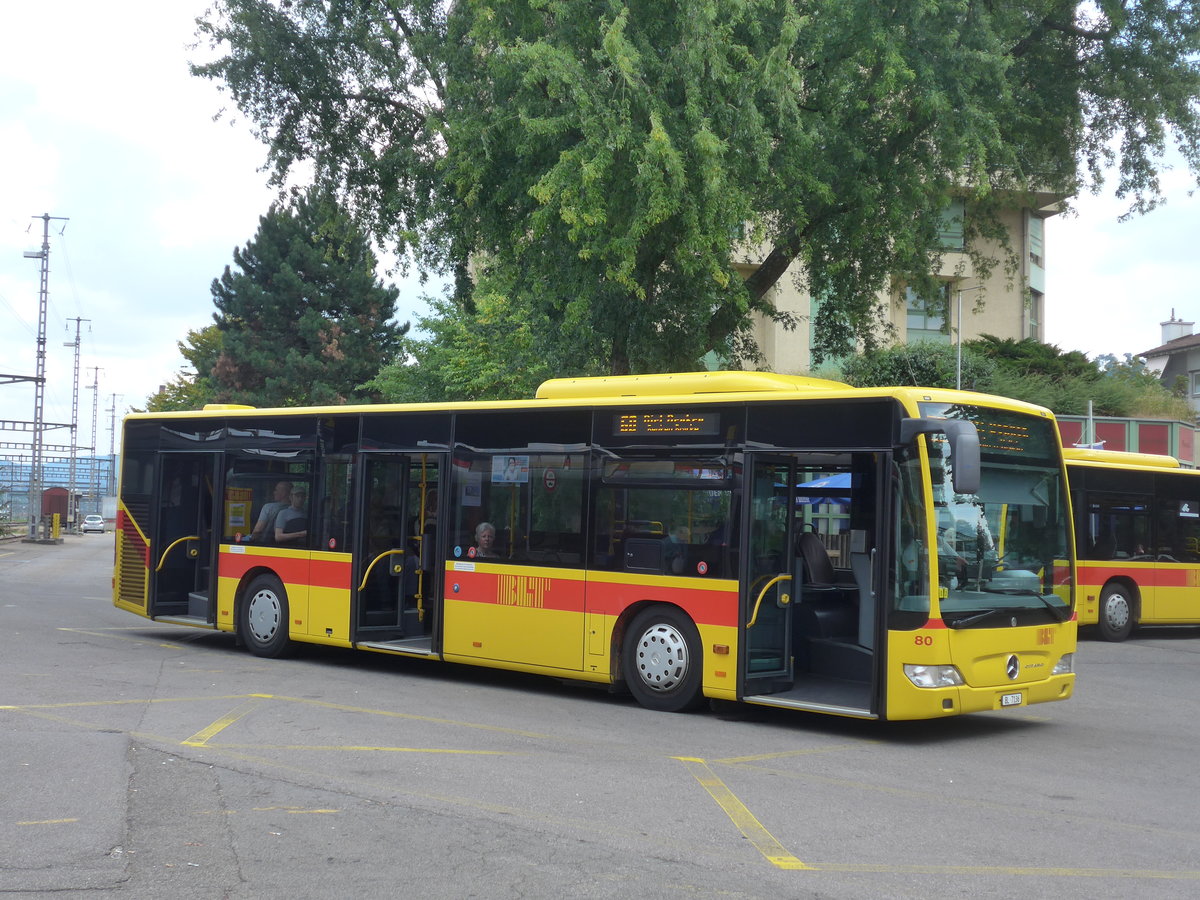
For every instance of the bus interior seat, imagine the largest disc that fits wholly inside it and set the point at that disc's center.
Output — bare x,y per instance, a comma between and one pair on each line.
826,608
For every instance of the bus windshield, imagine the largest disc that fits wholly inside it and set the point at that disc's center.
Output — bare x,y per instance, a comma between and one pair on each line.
1002,551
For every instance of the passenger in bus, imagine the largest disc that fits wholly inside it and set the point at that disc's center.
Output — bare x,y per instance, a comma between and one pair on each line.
291,524
264,528
485,541
675,550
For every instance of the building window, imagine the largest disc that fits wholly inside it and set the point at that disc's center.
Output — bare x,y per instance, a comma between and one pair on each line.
1037,241
1034,326
927,319
1195,378
950,226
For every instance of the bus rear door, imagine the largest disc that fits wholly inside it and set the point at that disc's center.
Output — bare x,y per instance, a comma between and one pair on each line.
182,548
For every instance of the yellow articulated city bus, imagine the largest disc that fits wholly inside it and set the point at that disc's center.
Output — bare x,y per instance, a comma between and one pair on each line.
1137,529
892,553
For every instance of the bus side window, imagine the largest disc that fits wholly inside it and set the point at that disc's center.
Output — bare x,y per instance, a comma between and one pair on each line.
532,501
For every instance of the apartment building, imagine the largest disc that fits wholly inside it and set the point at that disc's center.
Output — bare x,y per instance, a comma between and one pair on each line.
970,304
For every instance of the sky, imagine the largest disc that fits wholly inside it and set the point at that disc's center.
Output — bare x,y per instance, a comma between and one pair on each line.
101,124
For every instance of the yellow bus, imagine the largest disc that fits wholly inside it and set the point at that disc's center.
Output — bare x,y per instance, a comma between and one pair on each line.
741,536
1137,527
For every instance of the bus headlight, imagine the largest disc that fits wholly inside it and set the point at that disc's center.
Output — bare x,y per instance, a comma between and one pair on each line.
933,676
1065,666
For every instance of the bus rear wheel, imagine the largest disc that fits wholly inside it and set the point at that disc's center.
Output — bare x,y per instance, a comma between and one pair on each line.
1115,621
662,660
264,618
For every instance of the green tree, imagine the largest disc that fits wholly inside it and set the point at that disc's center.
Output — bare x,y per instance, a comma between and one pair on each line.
503,349
191,389
625,158
303,318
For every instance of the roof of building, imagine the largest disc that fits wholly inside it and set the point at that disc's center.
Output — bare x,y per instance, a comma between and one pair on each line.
1187,342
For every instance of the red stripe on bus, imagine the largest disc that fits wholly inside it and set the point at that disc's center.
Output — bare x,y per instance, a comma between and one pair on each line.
706,606
328,573
324,573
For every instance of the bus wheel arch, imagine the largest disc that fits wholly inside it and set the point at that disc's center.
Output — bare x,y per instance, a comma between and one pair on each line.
662,659
1118,609
262,615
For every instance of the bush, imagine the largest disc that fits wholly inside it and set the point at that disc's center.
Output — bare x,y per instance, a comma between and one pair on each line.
923,364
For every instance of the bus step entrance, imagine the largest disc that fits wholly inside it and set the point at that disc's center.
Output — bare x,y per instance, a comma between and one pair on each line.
198,604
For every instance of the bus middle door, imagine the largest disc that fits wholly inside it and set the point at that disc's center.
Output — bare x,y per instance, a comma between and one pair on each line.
395,572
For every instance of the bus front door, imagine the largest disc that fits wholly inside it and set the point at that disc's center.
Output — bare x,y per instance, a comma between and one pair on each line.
809,612
395,575
182,548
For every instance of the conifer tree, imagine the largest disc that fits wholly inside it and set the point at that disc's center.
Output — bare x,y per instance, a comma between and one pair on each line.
304,320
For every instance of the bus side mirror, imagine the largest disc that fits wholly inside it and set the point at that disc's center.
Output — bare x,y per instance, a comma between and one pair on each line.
964,447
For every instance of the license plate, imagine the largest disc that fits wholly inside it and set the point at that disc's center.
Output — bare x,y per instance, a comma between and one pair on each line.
1010,699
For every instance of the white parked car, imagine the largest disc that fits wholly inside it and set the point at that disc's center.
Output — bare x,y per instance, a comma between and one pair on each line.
93,523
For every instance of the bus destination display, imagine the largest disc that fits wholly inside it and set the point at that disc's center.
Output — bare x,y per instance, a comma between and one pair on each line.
667,423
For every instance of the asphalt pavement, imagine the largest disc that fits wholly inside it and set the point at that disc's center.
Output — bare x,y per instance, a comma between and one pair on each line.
143,760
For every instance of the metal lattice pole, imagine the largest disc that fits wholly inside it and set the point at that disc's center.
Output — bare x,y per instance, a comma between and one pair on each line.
72,499
95,479
39,381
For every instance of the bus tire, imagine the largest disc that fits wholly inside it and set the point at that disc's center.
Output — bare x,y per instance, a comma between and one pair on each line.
662,661
1115,619
264,618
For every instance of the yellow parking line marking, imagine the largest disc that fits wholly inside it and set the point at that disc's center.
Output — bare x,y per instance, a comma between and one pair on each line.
139,702
399,715
50,822
108,634
1046,871
200,738
362,749
835,748
753,830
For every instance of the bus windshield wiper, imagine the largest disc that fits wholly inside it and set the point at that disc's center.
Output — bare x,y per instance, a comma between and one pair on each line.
1061,613
968,620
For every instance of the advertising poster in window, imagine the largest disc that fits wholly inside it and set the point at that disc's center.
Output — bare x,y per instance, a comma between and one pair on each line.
510,469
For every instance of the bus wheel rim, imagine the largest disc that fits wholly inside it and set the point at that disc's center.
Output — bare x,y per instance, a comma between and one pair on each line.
264,615
1116,610
662,658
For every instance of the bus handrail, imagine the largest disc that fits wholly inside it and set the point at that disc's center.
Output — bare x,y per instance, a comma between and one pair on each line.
367,574
162,559
763,593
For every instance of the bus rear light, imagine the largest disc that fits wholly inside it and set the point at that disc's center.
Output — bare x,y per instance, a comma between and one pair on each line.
934,676
1065,666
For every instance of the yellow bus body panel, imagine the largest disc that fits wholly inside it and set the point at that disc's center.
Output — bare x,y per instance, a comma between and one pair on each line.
982,656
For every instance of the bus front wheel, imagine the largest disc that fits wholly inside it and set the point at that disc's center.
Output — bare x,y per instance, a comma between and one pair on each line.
662,660
1115,621
264,619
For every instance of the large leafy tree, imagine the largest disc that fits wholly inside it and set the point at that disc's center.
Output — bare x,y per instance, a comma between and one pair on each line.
303,318
194,387
624,158
498,352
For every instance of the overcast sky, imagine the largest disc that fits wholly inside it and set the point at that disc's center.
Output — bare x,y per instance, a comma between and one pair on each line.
101,123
